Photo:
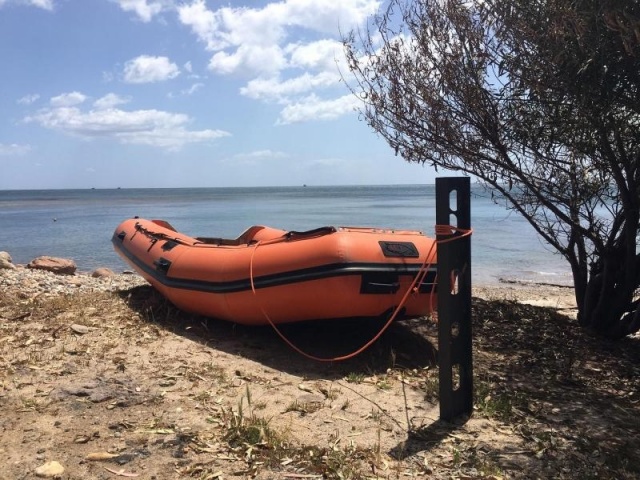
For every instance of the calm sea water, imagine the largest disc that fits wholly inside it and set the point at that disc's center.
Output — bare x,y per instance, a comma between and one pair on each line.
78,224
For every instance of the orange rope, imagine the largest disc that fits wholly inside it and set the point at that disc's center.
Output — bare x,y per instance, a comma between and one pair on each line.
451,230
422,273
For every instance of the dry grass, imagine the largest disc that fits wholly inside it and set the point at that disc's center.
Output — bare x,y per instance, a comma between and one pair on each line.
170,395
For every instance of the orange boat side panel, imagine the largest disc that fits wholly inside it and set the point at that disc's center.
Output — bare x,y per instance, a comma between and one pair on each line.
280,278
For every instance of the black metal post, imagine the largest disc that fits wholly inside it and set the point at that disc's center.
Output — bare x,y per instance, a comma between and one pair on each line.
453,207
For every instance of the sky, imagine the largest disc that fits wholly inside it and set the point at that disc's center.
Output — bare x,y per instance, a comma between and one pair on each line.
185,93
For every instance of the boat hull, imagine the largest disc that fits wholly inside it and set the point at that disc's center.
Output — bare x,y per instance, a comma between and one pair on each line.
273,276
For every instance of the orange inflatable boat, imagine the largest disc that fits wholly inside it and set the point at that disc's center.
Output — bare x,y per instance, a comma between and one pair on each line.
271,275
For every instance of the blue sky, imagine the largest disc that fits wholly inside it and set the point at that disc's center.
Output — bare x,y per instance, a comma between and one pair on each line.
184,93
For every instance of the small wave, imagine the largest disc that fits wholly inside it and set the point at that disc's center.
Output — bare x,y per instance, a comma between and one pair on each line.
546,274
568,283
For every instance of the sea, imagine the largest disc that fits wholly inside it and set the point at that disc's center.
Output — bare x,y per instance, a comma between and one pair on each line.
78,224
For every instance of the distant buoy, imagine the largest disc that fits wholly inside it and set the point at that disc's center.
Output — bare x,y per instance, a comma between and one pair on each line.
55,219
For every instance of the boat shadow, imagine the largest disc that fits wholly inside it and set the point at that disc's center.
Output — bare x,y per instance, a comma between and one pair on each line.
407,343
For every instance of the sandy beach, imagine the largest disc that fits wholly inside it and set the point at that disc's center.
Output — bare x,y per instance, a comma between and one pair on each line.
102,378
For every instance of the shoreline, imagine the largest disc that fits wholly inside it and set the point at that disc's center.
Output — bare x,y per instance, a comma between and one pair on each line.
30,283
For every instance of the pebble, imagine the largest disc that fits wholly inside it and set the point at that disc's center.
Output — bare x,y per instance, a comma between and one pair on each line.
102,272
50,470
79,329
29,283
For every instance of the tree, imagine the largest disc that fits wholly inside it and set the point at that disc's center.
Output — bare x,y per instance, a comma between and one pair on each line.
538,99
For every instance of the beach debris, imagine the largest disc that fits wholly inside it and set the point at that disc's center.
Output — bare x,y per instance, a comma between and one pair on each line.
120,459
121,472
100,456
49,470
6,262
60,266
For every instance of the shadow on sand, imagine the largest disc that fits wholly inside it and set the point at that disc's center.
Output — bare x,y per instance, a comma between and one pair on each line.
401,345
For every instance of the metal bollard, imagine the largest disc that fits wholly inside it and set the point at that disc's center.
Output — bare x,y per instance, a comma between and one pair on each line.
453,207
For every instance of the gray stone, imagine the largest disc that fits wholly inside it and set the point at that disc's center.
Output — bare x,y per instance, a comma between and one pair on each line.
51,469
6,262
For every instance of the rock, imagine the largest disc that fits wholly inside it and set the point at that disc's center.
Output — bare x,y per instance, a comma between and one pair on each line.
82,439
50,470
5,261
80,329
102,273
62,266
4,265
100,456
124,458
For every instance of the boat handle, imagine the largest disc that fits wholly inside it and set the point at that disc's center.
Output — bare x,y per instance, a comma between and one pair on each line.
394,285
162,265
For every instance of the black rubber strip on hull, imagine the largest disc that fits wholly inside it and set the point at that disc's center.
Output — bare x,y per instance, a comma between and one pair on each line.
279,279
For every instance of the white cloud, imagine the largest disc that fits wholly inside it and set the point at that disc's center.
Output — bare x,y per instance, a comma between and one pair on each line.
144,9
44,4
14,149
324,54
192,89
143,127
172,138
329,15
67,99
147,69
313,108
29,99
288,49
276,89
110,100
260,154
268,59
203,23
253,33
